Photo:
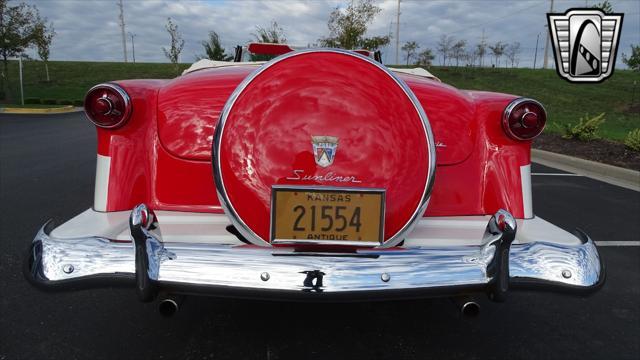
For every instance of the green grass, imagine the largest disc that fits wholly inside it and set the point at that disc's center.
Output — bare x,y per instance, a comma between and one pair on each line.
70,80
565,102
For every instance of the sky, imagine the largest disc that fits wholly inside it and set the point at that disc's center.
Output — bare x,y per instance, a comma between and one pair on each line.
89,30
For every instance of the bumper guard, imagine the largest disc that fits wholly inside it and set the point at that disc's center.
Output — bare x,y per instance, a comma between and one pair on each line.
282,273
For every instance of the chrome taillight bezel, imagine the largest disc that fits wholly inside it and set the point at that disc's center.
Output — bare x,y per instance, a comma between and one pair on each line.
126,100
506,115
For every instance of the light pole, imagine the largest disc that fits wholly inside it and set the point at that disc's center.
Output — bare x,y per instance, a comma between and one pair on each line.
398,34
4,79
535,56
133,47
546,45
21,88
124,38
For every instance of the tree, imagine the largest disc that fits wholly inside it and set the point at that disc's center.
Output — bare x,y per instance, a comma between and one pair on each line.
633,61
512,51
347,28
17,24
273,34
458,51
498,50
177,43
444,47
471,56
213,49
43,36
425,58
605,6
481,51
410,48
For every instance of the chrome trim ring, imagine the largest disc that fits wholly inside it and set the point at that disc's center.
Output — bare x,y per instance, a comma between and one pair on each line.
523,116
128,107
226,204
507,112
108,102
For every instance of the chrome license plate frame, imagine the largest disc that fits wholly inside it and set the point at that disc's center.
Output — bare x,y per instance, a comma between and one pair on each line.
375,195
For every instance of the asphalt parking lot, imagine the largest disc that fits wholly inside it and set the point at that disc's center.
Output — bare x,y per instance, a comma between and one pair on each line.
47,167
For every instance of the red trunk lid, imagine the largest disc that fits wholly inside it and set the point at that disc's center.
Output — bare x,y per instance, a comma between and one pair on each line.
189,108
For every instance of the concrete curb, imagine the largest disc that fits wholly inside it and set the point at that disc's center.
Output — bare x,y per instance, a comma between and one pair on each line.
56,110
615,175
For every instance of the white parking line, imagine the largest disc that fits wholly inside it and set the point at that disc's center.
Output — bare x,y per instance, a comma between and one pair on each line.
618,243
555,174
628,179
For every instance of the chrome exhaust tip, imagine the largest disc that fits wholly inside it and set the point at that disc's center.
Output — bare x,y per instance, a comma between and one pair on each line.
470,309
467,306
169,306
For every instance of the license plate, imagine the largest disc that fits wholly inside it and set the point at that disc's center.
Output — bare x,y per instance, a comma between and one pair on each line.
341,216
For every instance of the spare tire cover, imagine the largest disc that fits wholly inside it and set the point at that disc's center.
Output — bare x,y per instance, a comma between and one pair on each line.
264,138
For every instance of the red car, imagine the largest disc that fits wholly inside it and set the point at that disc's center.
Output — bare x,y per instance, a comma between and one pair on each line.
319,175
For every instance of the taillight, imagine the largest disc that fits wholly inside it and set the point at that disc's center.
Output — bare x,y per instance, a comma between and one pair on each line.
524,119
107,106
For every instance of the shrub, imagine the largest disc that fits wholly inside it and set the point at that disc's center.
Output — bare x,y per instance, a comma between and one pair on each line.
32,101
49,102
2,95
79,103
633,140
65,102
585,130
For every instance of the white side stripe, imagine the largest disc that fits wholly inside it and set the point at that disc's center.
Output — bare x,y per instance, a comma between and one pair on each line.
525,182
101,192
618,243
551,174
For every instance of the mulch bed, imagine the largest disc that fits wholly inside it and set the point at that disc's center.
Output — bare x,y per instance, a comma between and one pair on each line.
603,151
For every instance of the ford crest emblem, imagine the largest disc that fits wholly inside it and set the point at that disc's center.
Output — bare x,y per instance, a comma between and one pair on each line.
324,149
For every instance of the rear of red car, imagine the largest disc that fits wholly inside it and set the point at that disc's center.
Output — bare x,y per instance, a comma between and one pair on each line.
318,175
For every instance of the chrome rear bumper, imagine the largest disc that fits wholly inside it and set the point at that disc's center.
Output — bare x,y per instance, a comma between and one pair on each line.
238,270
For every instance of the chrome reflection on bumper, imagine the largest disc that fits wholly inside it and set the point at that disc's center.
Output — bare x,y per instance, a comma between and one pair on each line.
251,271
552,264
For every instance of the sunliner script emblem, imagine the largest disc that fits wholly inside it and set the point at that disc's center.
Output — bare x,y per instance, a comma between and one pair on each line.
324,149
328,177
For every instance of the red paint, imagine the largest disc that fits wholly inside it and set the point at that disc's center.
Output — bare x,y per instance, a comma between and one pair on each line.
132,148
189,107
267,138
450,113
143,171
184,185
161,156
268,49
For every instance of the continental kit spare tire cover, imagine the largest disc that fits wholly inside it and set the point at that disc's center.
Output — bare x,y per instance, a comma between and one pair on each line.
267,128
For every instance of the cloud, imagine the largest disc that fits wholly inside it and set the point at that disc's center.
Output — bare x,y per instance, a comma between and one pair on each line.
89,30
